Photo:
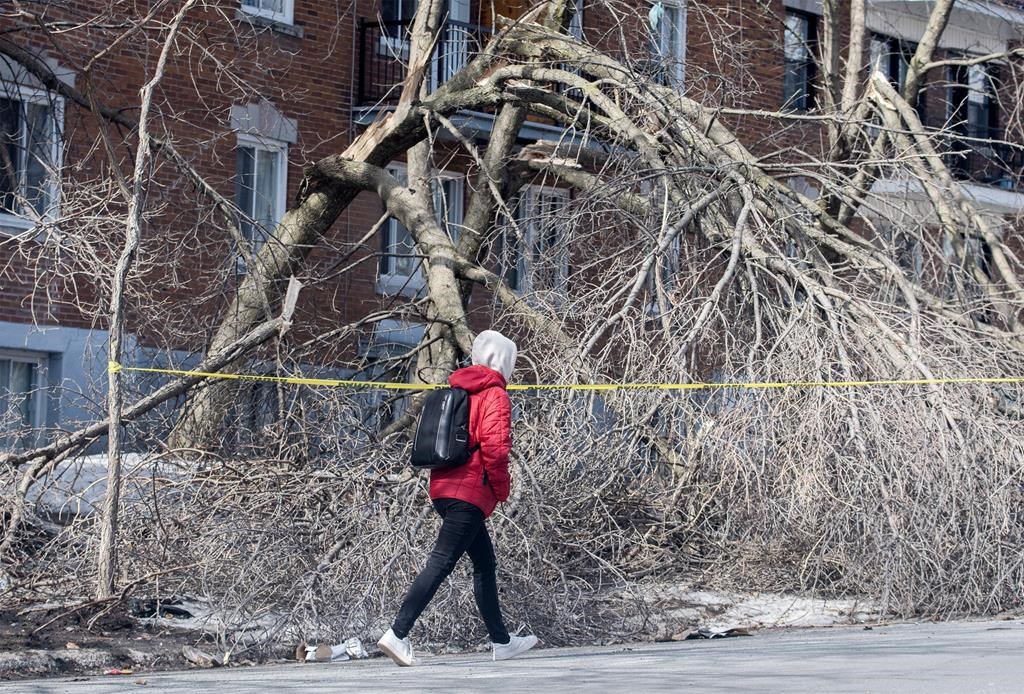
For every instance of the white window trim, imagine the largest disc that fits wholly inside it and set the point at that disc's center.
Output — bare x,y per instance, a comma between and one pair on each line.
281,149
287,16
40,390
17,223
395,283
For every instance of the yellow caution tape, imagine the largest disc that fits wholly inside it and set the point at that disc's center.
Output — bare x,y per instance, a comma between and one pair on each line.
333,382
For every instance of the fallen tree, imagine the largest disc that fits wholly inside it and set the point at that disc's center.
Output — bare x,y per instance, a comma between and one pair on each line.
686,255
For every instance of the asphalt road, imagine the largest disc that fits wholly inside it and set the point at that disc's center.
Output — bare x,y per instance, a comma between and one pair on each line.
953,657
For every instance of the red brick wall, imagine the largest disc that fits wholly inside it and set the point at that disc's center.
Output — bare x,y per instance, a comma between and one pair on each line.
734,59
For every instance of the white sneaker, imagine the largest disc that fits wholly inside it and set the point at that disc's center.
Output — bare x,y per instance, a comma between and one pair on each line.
399,650
515,646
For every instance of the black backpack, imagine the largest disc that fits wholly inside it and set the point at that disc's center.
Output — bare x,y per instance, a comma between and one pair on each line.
442,435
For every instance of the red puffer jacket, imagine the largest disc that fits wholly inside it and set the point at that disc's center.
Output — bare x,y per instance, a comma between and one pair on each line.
484,480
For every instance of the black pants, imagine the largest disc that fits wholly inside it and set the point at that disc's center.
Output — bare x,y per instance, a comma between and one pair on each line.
462,532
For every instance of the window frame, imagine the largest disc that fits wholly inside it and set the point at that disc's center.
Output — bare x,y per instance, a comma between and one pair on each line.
286,16
809,64
39,390
12,221
280,149
388,280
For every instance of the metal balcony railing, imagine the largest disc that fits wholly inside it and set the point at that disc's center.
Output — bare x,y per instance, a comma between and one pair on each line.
384,57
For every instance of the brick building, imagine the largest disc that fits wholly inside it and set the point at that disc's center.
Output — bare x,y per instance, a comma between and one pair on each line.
285,82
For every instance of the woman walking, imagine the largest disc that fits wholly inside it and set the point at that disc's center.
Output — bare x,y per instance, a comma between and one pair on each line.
464,497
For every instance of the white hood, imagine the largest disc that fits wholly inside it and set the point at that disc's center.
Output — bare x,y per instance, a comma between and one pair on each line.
495,351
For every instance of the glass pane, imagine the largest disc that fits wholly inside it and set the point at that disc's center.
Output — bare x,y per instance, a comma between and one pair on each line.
902,65
10,127
878,56
398,243
978,119
441,192
508,252
39,146
671,32
265,212
397,10
403,261
515,263
795,38
794,86
22,389
245,167
576,23
977,81
274,6
553,239
5,399
447,204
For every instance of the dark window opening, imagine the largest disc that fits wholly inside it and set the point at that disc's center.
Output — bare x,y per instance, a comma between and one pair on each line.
799,45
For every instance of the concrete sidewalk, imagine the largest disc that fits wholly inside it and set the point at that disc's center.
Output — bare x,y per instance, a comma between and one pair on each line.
957,657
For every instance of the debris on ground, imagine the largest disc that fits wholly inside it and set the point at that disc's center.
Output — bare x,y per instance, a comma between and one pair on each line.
670,611
170,608
45,640
706,633
325,653
200,658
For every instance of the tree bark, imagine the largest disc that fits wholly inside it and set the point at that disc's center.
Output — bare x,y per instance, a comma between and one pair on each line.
107,556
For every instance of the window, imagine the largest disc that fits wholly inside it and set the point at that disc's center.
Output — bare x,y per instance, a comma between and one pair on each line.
973,120
970,101
29,154
452,52
396,19
389,355
533,253
892,57
799,38
664,277
576,23
668,27
982,112
261,173
278,10
22,404
399,264
397,10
